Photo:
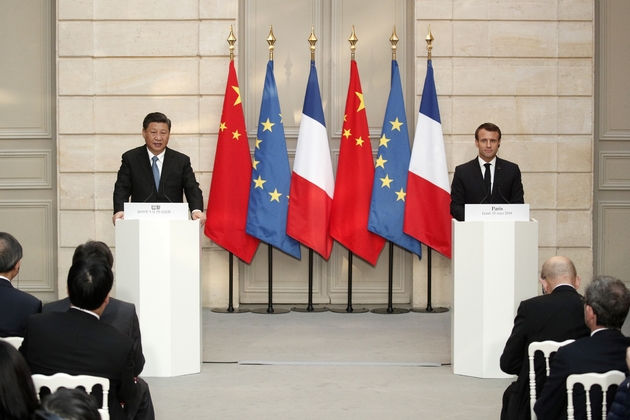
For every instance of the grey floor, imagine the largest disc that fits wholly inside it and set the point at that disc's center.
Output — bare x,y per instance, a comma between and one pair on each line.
326,366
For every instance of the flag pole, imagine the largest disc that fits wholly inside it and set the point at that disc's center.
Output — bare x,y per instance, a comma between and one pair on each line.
390,289
349,309
429,309
270,309
231,39
312,40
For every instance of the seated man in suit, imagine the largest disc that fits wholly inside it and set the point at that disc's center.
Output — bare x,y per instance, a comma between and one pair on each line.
557,315
78,343
156,173
122,316
606,304
15,305
487,179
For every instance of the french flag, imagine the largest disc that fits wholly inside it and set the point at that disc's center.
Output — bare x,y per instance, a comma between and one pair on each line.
427,213
312,182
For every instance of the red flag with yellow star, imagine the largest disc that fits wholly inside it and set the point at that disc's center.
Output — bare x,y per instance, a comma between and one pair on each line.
355,175
229,189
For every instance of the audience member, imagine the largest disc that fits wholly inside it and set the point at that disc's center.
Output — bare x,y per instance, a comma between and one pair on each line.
69,404
558,315
18,400
620,407
76,342
122,316
15,305
606,304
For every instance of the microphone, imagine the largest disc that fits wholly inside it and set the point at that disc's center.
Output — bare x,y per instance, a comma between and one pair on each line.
486,196
504,199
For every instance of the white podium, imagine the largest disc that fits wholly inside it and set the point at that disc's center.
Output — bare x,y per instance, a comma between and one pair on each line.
495,267
158,269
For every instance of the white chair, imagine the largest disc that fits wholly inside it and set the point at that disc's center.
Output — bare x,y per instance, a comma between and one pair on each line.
605,380
14,341
547,348
63,380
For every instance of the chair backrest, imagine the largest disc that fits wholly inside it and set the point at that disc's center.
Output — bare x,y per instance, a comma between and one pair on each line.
63,380
15,341
605,380
546,347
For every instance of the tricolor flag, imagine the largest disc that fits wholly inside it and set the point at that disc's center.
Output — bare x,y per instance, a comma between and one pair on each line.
229,189
271,175
355,174
427,214
312,182
387,209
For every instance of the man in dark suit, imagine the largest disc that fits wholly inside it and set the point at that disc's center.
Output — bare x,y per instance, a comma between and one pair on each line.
557,315
15,305
156,173
487,179
77,342
606,304
122,316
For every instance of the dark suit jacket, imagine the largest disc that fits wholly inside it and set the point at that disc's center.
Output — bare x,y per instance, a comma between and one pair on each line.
468,186
135,180
604,351
557,316
120,315
77,343
15,308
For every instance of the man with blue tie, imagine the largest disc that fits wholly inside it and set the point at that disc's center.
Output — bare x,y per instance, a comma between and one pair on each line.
155,173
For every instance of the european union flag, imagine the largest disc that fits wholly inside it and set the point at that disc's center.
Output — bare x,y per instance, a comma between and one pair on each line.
387,208
271,175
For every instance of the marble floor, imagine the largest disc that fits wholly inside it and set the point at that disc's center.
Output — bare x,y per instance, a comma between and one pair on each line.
326,365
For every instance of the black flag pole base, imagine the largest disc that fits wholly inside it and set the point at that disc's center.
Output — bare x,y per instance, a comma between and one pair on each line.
349,310
270,311
430,310
390,311
309,308
230,310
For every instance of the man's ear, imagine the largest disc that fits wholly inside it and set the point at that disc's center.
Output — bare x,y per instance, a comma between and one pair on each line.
578,280
545,285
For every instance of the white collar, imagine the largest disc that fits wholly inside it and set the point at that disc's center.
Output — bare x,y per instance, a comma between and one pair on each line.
85,310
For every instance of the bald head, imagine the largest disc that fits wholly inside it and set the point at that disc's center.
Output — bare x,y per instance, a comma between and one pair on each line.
558,270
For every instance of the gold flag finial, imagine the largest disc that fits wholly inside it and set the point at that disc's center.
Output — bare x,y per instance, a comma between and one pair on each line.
312,40
429,40
231,40
271,40
394,41
353,43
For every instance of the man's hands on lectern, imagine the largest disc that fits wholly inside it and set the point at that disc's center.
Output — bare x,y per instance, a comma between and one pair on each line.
199,215
118,216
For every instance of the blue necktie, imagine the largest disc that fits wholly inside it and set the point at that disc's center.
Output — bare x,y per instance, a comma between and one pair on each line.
156,173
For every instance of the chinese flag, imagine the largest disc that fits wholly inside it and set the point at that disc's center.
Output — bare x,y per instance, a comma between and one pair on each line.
355,176
231,176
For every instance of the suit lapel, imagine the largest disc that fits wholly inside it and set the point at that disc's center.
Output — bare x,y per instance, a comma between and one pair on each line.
167,167
477,175
142,158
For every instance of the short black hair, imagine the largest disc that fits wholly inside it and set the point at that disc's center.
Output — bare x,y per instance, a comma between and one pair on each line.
610,299
10,252
93,249
485,126
89,282
156,117
17,392
72,404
